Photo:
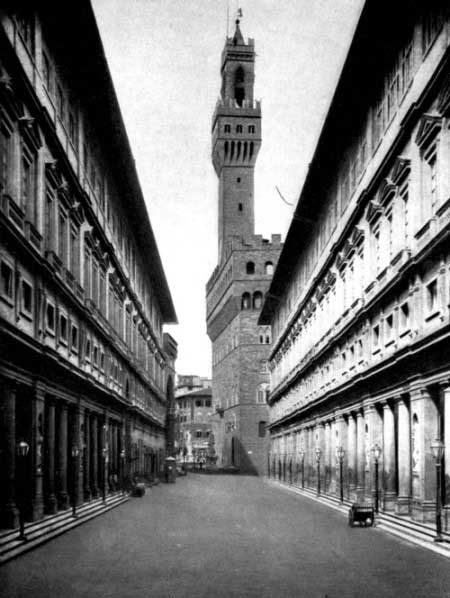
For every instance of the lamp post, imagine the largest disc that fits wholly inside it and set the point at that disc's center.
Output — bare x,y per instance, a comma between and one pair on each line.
122,470
340,452
318,457
437,450
302,458
22,453
75,453
376,451
104,460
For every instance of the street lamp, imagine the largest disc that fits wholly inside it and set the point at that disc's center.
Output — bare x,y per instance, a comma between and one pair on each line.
302,457
22,453
376,450
104,460
122,470
437,450
340,452
75,453
318,457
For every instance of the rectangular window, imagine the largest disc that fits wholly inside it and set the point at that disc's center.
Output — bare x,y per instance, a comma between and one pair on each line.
46,72
6,279
75,252
73,128
6,154
389,327
404,315
238,128
74,339
227,128
432,296
376,336
49,220
50,317
251,128
62,238
95,356
27,298
28,184
60,103
88,349
63,332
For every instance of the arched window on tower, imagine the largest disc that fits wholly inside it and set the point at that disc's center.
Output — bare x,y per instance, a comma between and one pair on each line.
268,268
239,88
257,300
245,301
250,268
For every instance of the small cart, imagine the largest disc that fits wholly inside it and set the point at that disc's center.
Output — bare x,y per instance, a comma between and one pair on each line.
362,513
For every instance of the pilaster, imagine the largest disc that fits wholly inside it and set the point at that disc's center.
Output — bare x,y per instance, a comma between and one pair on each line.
10,515
37,440
389,474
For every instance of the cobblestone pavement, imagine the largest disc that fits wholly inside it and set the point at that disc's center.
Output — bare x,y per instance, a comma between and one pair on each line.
225,536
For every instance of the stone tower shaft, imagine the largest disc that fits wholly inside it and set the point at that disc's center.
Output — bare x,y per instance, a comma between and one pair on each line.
236,139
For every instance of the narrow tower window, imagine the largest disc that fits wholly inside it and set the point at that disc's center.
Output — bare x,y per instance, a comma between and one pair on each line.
250,268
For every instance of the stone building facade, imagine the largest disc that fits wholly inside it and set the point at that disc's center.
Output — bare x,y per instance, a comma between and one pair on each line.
194,424
359,308
236,289
84,363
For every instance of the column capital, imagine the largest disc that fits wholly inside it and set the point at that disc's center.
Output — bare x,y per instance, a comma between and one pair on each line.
444,385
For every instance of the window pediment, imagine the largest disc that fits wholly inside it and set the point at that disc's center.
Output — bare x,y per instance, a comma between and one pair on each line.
430,125
386,191
30,132
402,167
374,210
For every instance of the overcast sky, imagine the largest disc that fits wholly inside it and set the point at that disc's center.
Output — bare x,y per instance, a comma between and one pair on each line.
164,57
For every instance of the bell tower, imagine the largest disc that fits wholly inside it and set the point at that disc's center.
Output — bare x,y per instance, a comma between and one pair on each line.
236,139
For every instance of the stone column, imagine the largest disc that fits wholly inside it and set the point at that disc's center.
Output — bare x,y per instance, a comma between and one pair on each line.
352,460
361,455
375,437
63,498
388,476
86,451
49,459
424,430
327,457
77,463
10,515
320,443
446,418
340,439
94,455
403,458
37,442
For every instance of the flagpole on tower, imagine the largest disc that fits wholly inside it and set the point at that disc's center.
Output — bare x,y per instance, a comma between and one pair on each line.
228,18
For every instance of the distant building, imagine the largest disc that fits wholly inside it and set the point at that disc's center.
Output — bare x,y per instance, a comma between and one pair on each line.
359,303
84,363
235,292
194,424
190,382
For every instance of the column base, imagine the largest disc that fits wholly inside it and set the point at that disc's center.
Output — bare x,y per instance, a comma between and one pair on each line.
10,516
389,501
403,505
51,506
423,511
446,518
94,492
63,500
87,495
360,494
37,511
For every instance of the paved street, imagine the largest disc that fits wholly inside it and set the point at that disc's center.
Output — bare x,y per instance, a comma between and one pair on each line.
225,536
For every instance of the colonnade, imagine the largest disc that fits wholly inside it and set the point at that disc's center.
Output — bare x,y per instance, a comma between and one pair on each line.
393,433
75,453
